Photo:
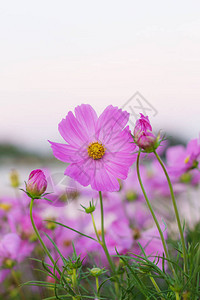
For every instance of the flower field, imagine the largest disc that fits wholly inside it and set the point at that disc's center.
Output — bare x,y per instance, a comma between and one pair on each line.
124,225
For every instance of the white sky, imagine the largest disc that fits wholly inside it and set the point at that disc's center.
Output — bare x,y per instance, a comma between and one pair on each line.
55,55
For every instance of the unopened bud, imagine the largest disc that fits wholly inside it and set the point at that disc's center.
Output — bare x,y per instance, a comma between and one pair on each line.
36,184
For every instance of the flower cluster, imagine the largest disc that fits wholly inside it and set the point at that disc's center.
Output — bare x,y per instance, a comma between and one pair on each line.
100,153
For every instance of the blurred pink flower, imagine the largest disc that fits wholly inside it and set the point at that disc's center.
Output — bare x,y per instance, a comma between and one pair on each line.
181,159
99,150
10,246
12,251
151,242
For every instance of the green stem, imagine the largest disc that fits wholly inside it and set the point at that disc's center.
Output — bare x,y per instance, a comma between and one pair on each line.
74,283
42,243
103,243
177,296
155,285
153,214
95,228
103,236
175,210
97,286
38,235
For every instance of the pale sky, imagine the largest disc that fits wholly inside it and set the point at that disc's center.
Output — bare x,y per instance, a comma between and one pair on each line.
55,55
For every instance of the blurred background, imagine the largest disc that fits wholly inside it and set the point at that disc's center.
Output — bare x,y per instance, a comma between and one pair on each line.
56,55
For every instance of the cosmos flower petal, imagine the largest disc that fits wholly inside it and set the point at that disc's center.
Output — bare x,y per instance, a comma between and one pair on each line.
104,181
194,147
10,245
110,123
80,172
66,153
122,142
72,131
117,170
87,117
174,153
118,164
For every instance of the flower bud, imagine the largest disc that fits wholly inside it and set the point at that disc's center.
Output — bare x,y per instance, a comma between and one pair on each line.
90,209
9,263
74,263
131,196
36,184
14,179
143,135
96,272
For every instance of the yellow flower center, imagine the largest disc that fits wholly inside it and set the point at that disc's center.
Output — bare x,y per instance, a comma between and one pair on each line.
187,159
136,233
96,150
5,206
67,243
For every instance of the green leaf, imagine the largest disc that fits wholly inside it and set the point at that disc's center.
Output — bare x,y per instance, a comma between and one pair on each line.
89,237
55,246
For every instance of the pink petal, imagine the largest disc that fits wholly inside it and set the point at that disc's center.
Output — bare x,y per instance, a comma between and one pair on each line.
66,153
72,131
87,117
82,172
174,153
193,147
110,123
117,170
103,180
10,245
122,142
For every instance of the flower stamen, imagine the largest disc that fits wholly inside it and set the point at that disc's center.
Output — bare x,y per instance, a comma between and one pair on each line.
96,150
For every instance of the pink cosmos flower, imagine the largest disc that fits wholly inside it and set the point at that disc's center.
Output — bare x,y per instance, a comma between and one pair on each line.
36,184
9,247
13,250
99,150
181,159
143,135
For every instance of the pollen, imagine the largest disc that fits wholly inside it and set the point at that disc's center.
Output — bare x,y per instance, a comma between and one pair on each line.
187,159
96,150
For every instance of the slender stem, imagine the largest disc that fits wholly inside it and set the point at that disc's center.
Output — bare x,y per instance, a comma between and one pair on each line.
103,236
74,281
95,228
175,210
38,235
177,296
41,241
74,278
103,243
153,214
155,285
97,286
